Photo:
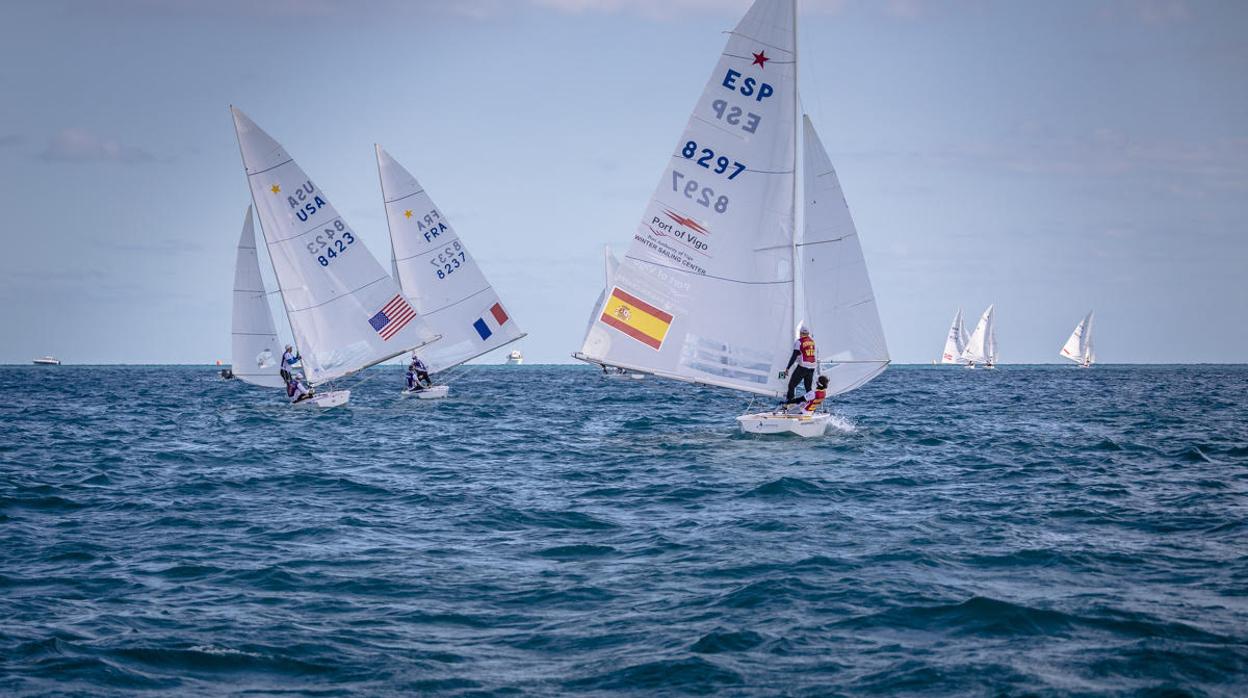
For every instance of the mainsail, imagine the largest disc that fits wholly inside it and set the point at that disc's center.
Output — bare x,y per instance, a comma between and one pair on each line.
839,303
981,348
1079,347
438,275
706,291
955,343
345,311
254,349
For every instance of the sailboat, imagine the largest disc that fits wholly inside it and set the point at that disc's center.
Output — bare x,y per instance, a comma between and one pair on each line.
955,343
981,348
344,310
721,273
439,277
254,349
1079,347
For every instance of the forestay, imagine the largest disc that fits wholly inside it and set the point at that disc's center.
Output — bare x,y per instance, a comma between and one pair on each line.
254,351
705,292
840,306
438,274
955,343
345,311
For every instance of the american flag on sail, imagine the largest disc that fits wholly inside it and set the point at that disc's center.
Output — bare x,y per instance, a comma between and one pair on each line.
392,318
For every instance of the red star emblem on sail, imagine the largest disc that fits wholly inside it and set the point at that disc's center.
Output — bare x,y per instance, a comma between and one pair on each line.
686,221
761,58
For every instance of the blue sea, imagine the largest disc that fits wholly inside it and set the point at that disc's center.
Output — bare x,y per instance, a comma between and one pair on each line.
1025,531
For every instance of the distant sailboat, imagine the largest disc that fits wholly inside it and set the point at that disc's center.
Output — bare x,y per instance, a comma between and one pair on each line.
1079,347
719,274
255,355
440,278
345,311
981,348
955,343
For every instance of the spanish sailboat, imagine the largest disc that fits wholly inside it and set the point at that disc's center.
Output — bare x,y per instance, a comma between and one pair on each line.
440,278
955,343
254,350
1079,347
344,310
735,251
610,264
981,348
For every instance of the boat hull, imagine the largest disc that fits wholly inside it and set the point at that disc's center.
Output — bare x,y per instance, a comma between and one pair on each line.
47,362
324,401
805,425
435,393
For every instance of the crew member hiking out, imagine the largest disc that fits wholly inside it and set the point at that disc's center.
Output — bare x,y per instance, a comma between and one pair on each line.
806,363
418,374
813,398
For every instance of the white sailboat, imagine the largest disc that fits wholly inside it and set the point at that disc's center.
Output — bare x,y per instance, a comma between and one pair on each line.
981,348
1079,347
955,343
440,278
720,273
345,311
255,355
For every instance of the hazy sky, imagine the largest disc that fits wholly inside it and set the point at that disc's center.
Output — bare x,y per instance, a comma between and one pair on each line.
1050,157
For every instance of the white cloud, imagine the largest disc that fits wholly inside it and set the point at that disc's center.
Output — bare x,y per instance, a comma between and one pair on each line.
77,144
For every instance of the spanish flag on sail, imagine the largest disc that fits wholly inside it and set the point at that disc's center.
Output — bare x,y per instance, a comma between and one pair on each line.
636,318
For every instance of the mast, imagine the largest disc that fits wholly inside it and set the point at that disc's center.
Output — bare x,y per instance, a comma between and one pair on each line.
797,134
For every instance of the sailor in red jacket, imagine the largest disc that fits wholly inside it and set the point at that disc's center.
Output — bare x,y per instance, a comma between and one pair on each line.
804,357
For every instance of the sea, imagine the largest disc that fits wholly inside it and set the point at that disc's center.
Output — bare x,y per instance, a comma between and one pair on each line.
1033,530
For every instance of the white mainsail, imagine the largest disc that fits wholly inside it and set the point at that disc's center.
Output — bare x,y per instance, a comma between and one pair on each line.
955,343
345,311
1079,347
706,292
981,348
254,350
439,276
840,306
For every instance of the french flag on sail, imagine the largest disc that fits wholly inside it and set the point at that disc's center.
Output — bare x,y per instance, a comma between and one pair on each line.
490,321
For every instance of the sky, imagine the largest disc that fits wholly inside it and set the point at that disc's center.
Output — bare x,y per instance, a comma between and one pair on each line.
1050,158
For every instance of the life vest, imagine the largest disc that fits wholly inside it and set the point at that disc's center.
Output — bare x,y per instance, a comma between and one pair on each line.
807,346
820,396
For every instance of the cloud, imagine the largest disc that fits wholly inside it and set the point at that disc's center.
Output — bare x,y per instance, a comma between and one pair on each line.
80,145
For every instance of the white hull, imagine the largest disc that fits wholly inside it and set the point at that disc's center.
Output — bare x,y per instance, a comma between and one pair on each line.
334,398
624,376
806,425
434,393
47,362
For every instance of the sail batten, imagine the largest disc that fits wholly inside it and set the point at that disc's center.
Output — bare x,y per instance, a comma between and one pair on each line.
438,275
345,312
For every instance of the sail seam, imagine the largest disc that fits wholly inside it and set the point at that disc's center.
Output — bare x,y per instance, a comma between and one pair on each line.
253,174
407,196
440,248
461,300
711,276
345,295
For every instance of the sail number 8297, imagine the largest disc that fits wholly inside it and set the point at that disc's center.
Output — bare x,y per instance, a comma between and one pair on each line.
703,195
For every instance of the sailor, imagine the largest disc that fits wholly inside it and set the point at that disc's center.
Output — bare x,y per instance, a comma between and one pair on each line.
806,363
418,374
813,398
289,359
297,391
